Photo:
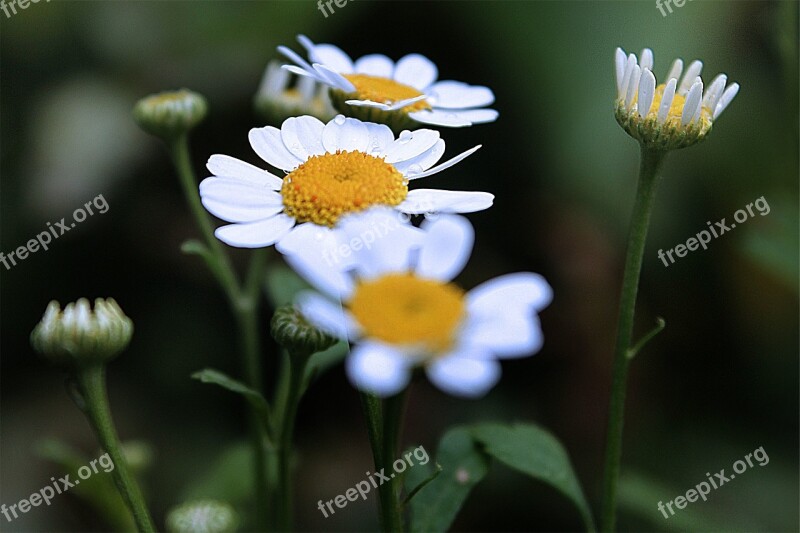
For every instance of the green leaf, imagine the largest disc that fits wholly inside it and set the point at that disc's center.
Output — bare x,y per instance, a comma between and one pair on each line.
533,451
209,375
463,465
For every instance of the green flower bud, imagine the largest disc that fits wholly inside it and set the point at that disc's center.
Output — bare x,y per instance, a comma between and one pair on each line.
80,335
292,331
202,516
170,114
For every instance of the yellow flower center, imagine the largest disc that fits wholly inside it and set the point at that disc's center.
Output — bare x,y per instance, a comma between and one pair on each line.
676,109
328,186
385,91
410,311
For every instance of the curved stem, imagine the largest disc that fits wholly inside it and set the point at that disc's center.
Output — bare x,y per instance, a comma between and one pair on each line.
640,220
92,384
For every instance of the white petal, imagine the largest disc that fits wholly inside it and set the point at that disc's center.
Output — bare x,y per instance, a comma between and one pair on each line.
627,76
727,97
326,315
296,58
411,168
380,138
646,61
236,200
714,92
446,247
676,69
230,167
268,144
505,335
310,74
427,201
693,102
256,234
415,70
689,78
314,252
334,78
332,57
346,134
633,86
666,100
475,116
647,88
302,136
512,292
457,95
449,163
411,144
620,60
375,65
464,374
435,117
378,368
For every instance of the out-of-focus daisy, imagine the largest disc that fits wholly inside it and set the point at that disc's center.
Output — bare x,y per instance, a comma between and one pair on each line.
674,114
332,169
394,300
398,94
279,97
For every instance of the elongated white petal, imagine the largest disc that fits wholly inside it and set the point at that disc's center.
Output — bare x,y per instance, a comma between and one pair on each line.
331,56
411,144
380,138
473,116
447,119
335,79
411,168
727,97
302,136
629,65
346,134
315,253
326,315
268,144
619,68
427,201
512,292
375,65
457,95
415,70
391,106
235,200
295,57
647,89
714,92
676,69
378,368
312,74
646,59
633,86
689,78
446,247
464,373
692,104
230,167
666,100
506,335
449,163
256,234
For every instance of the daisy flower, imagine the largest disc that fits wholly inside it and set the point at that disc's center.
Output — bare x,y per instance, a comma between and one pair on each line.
399,94
396,303
331,169
674,114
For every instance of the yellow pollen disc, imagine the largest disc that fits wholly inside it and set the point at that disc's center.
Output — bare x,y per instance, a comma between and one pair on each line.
676,109
385,91
328,186
403,309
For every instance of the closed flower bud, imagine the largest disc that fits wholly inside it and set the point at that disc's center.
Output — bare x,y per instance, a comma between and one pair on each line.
292,331
170,114
202,516
79,335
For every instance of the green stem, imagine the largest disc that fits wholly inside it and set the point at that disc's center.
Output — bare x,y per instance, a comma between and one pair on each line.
92,384
640,220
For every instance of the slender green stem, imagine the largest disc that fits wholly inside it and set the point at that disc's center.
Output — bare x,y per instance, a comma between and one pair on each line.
92,384
640,220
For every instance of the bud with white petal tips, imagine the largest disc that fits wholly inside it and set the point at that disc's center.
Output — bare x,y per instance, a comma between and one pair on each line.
670,115
170,114
81,336
202,516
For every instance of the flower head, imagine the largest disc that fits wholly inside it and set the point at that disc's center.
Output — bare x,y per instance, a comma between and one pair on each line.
673,114
170,113
395,301
398,94
80,335
278,98
332,169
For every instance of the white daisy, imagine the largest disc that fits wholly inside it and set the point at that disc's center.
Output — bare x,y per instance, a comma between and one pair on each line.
332,169
674,114
401,311
376,88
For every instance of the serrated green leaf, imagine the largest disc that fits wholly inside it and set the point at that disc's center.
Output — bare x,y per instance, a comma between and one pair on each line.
436,504
209,375
534,451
